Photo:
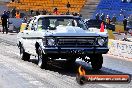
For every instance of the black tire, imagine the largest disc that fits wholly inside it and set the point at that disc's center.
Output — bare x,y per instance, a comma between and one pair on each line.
24,56
42,59
70,62
96,61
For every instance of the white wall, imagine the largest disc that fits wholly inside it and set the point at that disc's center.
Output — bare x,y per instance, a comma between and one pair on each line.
120,48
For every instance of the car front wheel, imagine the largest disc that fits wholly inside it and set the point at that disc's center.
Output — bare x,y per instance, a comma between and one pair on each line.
70,62
24,56
96,61
42,59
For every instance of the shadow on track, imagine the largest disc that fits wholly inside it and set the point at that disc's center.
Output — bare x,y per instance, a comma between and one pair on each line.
61,68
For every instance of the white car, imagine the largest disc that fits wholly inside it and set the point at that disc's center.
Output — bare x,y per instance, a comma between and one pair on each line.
62,36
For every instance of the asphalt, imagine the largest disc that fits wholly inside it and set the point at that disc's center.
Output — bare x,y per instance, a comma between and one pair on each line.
16,73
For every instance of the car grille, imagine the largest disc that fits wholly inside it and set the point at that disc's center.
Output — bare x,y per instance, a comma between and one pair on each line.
74,42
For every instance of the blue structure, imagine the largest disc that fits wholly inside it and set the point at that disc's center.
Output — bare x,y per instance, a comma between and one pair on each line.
114,7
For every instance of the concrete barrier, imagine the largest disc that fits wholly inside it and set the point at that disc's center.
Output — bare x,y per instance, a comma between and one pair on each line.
120,48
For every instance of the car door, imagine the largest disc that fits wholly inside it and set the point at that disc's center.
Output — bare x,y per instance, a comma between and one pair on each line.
27,37
34,35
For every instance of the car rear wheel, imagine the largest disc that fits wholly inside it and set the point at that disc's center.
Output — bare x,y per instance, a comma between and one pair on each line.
42,59
96,61
24,56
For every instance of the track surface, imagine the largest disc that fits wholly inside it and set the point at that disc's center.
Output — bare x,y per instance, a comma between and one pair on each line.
16,73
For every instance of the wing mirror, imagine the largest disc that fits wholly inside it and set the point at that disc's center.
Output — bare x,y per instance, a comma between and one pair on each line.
33,28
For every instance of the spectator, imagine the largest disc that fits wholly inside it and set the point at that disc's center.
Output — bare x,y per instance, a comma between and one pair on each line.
13,12
102,17
8,13
4,19
56,11
44,12
13,0
108,19
97,16
80,15
17,14
125,24
68,13
114,19
31,11
75,14
68,5
37,12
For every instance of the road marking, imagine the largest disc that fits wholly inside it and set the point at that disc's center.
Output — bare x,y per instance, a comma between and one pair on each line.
27,76
38,83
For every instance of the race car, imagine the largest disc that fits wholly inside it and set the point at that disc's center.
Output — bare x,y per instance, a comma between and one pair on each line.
93,23
49,37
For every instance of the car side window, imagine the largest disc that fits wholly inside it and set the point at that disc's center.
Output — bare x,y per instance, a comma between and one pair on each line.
41,24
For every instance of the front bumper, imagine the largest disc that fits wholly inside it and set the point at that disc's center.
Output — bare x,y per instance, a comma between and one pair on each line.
75,50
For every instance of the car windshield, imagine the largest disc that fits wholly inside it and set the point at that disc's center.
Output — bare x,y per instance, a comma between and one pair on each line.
47,22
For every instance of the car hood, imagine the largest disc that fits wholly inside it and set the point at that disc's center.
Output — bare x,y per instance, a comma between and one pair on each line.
73,31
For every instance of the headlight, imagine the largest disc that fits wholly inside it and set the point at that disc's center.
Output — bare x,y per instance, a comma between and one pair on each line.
51,42
101,41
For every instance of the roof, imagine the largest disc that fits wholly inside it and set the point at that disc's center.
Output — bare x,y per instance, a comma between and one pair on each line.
57,16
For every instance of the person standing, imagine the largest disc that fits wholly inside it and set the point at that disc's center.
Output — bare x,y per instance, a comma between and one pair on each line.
68,13
31,12
44,12
125,24
114,19
102,17
108,19
4,19
97,16
13,0
13,12
56,11
37,12
17,14
68,5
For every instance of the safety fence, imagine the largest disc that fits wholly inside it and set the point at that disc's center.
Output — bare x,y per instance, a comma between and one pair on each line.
120,48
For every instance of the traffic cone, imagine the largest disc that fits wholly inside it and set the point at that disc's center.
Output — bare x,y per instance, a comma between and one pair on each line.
119,32
102,27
